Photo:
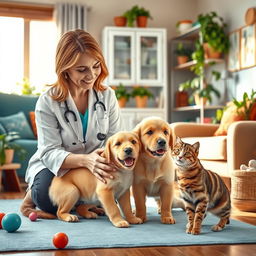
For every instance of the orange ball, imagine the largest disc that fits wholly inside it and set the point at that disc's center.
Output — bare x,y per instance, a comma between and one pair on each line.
60,240
1,216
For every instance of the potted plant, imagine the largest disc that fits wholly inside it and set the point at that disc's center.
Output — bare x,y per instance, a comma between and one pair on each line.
141,95
214,39
196,92
7,148
183,54
183,25
139,14
122,95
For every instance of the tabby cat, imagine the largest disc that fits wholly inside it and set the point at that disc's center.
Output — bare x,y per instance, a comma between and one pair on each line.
201,190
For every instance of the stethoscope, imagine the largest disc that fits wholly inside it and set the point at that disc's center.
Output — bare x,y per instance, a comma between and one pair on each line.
100,136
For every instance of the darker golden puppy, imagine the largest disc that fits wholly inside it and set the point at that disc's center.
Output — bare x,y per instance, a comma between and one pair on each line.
122,150
154,170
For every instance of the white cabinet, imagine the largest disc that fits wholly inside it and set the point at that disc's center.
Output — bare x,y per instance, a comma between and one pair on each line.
137,57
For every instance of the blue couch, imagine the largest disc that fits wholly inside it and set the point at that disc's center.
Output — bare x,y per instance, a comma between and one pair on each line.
12,104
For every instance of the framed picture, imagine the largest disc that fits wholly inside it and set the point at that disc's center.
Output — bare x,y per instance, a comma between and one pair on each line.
248,47
234,51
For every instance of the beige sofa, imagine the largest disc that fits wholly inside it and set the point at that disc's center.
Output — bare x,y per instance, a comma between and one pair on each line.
221,154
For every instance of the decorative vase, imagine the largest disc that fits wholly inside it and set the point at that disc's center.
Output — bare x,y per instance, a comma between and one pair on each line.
120,21
122,102
210,53
141,102
142,21
9,153
181,99
198,100
182,59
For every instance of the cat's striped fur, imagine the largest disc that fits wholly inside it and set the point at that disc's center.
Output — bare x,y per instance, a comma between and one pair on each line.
201,190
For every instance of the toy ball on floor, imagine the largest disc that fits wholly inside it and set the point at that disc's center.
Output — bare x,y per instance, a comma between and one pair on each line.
60,240
32,216
1,217
11,222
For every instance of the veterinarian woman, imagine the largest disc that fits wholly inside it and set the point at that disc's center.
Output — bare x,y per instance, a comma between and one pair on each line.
74,118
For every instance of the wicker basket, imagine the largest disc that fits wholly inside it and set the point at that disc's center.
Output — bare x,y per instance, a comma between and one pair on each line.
243,190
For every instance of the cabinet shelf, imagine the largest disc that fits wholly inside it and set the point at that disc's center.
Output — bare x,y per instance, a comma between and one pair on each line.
196,107
190,34
191,63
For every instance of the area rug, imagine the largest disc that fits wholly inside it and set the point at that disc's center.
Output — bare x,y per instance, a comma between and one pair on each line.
100,233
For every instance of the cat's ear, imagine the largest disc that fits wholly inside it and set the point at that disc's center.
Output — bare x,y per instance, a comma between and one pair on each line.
196,147
178,139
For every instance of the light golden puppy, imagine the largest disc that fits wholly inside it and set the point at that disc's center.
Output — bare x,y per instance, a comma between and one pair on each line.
154,170
122,150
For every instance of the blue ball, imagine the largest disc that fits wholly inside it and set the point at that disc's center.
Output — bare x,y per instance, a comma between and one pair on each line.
11,222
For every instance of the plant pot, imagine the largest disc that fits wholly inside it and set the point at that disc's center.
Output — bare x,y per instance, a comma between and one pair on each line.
182,59
198,100
9,153
141,102
142,21
210,53
120,21
122,102
181,99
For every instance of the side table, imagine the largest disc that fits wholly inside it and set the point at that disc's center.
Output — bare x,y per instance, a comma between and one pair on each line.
12,182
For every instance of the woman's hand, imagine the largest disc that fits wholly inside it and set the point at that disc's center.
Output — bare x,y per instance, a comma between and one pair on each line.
98,165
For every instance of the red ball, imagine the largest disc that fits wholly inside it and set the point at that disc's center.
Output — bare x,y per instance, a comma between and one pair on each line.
1,216
60,240
32,216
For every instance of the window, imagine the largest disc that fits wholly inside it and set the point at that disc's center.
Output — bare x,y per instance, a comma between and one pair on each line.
28,39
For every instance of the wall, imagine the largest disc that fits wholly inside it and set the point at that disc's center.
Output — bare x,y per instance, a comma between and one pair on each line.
165,13
233,12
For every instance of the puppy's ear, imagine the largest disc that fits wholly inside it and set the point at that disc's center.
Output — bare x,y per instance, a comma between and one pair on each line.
171,139
137,130
138,139
107,150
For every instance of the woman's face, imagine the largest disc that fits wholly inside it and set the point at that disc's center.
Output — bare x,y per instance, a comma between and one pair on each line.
85,72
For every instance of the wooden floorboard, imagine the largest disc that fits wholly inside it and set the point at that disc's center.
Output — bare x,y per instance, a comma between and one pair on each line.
207,250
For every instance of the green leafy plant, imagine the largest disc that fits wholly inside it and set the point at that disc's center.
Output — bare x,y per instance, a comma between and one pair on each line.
141,92
182,51
121,92
134,12
6,143
194,87
244,107
26,88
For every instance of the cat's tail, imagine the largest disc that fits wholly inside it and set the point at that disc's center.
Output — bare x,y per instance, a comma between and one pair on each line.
28,206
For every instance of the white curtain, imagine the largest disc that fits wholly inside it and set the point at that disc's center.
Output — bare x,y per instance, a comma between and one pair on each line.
70,16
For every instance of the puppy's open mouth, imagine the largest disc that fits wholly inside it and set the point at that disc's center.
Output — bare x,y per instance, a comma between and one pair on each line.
159,152
127,162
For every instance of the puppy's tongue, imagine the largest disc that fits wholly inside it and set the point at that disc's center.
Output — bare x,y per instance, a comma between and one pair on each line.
160,151
128,161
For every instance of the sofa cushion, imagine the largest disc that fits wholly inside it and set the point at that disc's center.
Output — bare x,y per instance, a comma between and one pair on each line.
17,123
211,148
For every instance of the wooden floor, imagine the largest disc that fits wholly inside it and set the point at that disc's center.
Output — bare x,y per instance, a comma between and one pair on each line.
208,250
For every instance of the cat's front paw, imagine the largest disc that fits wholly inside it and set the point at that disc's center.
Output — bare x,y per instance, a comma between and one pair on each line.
216,228
195,231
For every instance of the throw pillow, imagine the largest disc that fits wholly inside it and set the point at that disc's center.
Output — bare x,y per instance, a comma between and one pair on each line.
33,122
17,123
230,115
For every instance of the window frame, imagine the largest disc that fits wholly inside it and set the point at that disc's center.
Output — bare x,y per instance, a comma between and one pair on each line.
28,12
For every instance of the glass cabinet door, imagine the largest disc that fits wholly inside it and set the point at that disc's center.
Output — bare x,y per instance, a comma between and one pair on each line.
149,58
121,59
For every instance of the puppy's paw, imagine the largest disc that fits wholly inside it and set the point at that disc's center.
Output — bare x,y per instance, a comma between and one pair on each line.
167,220
143,218
121,224
90,215
69,218
135,220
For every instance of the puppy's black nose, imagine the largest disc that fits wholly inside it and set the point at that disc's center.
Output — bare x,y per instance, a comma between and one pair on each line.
128,151
161,142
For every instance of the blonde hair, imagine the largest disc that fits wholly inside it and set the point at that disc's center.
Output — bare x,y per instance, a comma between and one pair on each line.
71,45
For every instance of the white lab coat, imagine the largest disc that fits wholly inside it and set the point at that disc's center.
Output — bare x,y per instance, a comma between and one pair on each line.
57,138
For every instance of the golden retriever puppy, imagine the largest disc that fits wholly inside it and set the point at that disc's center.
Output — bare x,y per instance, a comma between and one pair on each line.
154,170
122,150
